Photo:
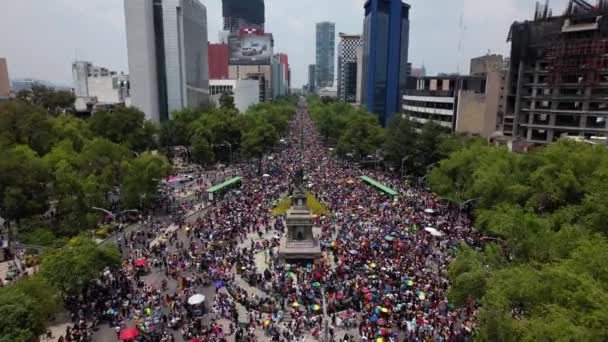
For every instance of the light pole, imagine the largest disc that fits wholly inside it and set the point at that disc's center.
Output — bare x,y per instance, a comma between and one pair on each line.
464,204
230,150
403,162
116,215
325,318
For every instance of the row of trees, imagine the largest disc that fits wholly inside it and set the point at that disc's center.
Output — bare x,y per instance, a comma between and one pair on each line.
542,274
214,135
63,165
357,135
27,307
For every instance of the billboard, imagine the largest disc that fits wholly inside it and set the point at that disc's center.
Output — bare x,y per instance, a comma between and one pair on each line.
250,49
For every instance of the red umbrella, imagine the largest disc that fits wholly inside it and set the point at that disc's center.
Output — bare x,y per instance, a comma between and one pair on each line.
340,295
195,340
140,263
129,334
368,296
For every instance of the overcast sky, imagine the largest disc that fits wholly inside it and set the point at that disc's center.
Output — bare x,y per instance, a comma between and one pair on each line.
40,38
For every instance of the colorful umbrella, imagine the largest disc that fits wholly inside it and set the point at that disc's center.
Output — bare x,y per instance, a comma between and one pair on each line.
384,310
409,282
373,318
140,263
295,304
388,238
111,312
344,314
381,332
381,322
368,296
266,323
219,284
315,307
316,284
128,334
339,295
420,295
373,265
380,339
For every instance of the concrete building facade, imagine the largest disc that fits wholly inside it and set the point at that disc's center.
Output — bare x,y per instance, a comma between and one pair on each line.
385,56
439,99
261,73
218,61
5,83
246,93
99,83
325,54
168,55
558,75
348,66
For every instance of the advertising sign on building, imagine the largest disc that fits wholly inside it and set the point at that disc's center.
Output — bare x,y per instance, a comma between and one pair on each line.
250,49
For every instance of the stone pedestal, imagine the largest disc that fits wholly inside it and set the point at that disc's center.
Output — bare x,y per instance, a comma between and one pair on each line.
299,244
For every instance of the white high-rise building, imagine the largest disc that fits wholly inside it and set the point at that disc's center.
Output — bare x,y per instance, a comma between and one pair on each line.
348,66
167,48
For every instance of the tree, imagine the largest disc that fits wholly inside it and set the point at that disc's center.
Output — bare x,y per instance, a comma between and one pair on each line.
227,101
400,142
363,137
23,183
428,145
53,101
69,127
202,153
74,266
22,123
142,176
20,319
259,140
125,126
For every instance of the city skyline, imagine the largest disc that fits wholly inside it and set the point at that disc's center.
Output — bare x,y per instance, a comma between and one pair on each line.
101,38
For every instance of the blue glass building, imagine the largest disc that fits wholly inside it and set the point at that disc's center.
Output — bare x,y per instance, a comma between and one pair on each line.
386,31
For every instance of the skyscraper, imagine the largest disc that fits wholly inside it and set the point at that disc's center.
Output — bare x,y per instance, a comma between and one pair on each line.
168,57
240,14
312,77
5,84
326,43
347,66
385,52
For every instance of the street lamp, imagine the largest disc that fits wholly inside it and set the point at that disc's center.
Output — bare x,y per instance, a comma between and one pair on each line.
225,143
464,204
116,215
403,162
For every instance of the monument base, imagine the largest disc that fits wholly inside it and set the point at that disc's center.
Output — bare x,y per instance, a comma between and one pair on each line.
294,252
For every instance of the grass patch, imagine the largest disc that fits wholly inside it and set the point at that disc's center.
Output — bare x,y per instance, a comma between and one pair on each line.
311,201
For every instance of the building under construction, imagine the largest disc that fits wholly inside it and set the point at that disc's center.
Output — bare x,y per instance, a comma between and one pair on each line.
558,78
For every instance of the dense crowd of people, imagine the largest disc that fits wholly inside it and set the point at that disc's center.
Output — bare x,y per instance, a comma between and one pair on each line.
383,275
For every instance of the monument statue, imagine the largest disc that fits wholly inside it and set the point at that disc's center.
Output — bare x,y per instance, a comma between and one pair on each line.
299,244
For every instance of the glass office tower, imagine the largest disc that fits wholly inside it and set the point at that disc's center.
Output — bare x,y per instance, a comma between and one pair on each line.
385,54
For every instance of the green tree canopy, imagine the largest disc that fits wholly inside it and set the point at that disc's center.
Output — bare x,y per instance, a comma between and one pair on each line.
74,266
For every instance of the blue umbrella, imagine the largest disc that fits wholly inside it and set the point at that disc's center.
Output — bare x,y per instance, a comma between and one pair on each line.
219,284
373,318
